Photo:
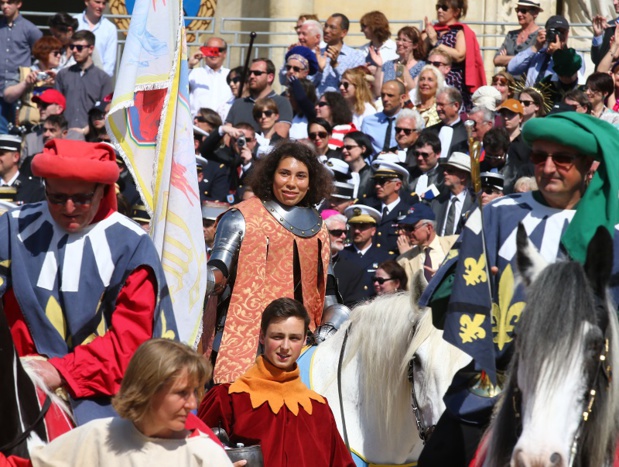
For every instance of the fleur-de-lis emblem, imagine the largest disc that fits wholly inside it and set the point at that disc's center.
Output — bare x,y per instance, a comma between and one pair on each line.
505,315
475,271
471,329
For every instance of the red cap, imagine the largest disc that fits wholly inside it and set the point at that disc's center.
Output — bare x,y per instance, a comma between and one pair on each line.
51,96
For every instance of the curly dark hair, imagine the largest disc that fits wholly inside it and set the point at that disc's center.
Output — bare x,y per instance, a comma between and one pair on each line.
320,181
340,112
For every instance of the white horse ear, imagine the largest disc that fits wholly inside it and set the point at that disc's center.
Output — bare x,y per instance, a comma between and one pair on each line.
530,262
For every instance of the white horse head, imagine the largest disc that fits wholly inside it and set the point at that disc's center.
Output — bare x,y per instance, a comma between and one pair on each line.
567,325
384,334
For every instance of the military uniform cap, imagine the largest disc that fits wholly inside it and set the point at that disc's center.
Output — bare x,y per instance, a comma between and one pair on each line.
388,167
139,213
10,143
362,214
493,179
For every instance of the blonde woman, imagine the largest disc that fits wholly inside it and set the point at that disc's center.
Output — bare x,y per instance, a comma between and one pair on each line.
430,83
355,88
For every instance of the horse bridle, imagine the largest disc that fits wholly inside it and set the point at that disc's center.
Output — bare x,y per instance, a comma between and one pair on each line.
604,368
424,430
26,433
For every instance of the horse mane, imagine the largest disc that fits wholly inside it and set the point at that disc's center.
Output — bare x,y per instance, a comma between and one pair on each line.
559,301
389,318
38,382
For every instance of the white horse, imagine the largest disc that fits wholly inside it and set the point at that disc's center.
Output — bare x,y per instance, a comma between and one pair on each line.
384,335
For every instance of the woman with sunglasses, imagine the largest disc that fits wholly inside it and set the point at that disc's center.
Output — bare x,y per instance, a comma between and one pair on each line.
234,82
411,52
333,108
357,147
430,83
355,87
319,133
533,103
40,76
520,39
390,277
460,43
266,114
504,83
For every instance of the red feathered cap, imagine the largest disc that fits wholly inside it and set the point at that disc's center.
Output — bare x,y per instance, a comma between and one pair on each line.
78,160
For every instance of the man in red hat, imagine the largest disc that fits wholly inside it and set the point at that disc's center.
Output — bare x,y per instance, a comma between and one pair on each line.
49,102
81,284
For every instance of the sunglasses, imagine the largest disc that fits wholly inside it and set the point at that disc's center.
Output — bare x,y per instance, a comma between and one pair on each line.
318,134
345,84
266,113
442,6
560,160
79,199
437,64
322,104
501,81
488,190
338,232
235,80
381,280
425,155
295,68
406,131
410,228
79,48
383,181
57,53
257,72
200,119
526,103
494,156
522,10
350,147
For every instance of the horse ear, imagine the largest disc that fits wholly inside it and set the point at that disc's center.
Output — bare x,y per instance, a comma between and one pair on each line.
599,262
530,262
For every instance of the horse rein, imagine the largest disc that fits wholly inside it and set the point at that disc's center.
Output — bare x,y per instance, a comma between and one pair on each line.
26,433
339,386
424,430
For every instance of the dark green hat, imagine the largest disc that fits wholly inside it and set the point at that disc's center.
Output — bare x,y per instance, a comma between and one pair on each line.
566,62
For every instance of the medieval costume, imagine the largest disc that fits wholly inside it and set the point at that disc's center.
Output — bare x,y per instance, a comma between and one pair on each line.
84,300
271,407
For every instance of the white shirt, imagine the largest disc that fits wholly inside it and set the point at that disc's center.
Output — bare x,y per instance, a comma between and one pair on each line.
358,119
106,40
459,205
11,181
387,50
208,88
390,207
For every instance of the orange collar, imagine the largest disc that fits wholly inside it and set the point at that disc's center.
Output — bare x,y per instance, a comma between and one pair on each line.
266,383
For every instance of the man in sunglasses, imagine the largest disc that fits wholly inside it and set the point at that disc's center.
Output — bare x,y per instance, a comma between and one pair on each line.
560,220
207,84
82,84
28,189
427,178
427,250
408,124
104,30
82,285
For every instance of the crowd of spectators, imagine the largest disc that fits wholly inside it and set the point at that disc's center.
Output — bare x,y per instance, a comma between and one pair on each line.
386,118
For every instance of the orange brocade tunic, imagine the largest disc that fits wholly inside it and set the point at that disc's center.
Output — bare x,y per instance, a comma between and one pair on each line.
273,263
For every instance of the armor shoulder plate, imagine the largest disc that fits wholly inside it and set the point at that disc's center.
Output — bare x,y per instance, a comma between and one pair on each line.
228,237
303,222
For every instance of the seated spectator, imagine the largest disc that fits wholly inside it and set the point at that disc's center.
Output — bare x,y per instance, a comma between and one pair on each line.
40,76
599,87
511,111
460,43
524,184
380,126
96,123
408,125
304,415
138,213
427,179
303,17
533,104
484,121
333,108
336,57
491,186
355,88
162,385
260,79
29,188
302,97
450,129
234,82
208,120
518,40
82,84
487,97
375,26
105,31
49,102
319,133
389,277
406,68
62,26
300,62
504,83
266,114
441,60
429,84
578,101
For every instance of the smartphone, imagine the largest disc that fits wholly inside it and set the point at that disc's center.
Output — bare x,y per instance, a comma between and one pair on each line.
210,51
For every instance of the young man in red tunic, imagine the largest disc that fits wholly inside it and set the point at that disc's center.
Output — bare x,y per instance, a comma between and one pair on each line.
270,406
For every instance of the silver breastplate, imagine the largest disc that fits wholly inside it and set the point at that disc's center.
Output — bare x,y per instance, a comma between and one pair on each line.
303,222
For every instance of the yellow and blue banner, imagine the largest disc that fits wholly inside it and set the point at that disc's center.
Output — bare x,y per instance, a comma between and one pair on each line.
151,126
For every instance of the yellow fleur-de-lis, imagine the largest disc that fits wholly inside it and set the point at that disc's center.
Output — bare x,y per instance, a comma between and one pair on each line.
165,332
475,270
505,314
471,329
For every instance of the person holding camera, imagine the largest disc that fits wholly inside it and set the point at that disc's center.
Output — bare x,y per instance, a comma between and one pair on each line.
207,84
538,61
